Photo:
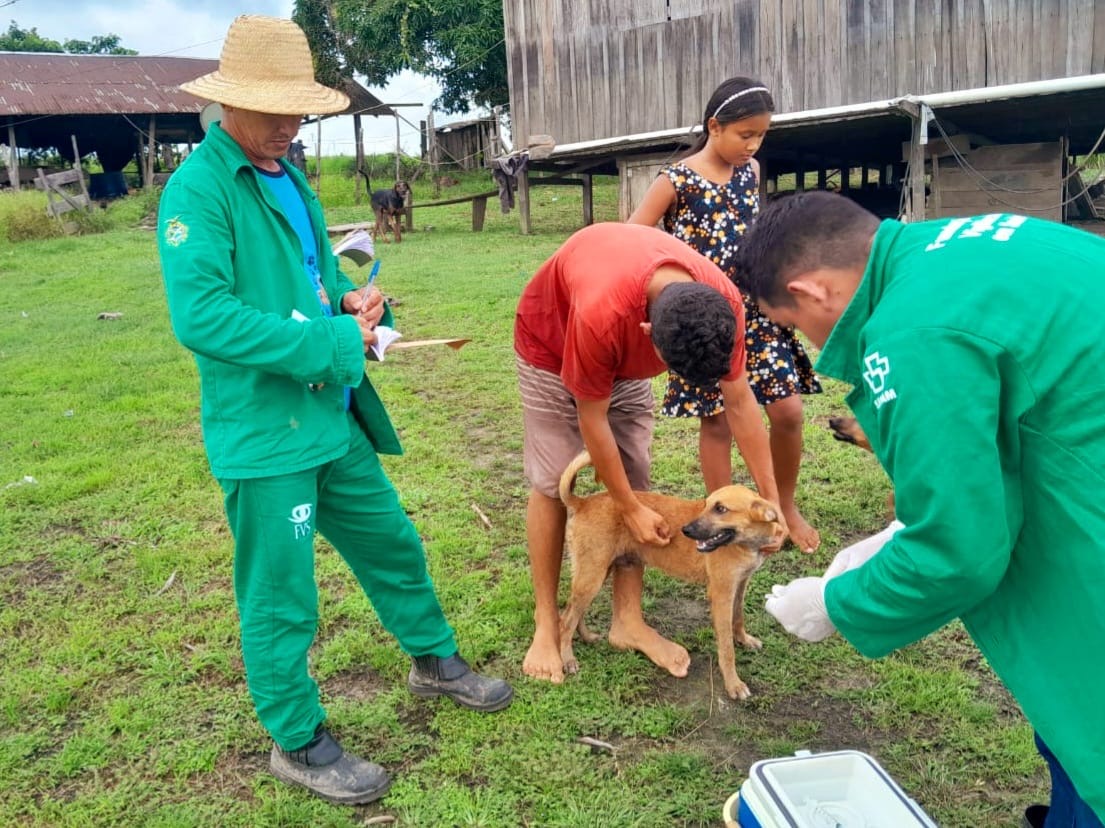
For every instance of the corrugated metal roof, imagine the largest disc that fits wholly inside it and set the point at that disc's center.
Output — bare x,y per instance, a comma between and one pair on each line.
36,83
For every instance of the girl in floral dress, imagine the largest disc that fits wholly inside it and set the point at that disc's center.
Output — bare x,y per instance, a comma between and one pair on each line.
708,200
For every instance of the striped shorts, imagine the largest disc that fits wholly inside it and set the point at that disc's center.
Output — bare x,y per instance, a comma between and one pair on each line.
551,424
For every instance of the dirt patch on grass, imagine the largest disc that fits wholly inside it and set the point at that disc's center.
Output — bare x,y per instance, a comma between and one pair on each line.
356,685
39,572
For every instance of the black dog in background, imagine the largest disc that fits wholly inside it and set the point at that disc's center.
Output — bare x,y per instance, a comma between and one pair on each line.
388,206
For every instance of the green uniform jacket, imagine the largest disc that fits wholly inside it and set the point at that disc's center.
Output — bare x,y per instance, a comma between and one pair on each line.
233,269
978,358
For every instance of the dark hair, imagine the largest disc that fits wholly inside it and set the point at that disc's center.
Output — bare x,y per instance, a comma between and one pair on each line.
746,106
799,233
693,328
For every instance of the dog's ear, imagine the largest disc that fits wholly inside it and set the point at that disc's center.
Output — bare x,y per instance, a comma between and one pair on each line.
763,511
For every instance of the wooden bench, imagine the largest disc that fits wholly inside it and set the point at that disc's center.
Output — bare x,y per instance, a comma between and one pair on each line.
479,207
479,211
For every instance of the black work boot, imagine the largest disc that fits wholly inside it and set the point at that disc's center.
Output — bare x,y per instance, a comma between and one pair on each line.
452,677
323,768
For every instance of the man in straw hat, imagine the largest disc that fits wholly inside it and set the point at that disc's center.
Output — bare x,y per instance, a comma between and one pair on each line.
291,424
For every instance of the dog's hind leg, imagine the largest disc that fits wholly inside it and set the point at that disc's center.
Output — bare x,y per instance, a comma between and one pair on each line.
588,576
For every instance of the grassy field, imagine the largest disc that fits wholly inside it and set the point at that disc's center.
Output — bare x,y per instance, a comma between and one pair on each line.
123,699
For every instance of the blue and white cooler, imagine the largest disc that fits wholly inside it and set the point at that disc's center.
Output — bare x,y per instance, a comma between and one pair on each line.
838,789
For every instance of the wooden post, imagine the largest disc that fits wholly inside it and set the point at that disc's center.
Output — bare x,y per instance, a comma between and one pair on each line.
77,167
431,152
397,166
917,172
150,150
523,202
935,186
800,176
13,159
822,176
479,210
588,200
359,163
763,182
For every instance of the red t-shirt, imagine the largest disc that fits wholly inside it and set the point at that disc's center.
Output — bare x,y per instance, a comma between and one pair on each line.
580,315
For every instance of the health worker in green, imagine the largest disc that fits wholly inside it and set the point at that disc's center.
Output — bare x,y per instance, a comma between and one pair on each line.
975,355
291,424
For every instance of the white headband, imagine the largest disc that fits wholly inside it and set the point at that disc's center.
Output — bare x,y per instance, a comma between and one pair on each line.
732,98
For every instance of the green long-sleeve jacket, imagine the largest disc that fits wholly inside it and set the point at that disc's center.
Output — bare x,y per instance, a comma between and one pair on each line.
977,354
233,270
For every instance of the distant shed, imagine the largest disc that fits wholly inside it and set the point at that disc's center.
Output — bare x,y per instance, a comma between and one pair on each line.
626,80
467,144
112,104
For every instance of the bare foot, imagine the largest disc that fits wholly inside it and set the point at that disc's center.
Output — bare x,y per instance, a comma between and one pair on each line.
664,653
543,660
805,537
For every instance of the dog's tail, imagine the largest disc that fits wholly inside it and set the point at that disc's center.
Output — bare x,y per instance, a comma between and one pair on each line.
568,480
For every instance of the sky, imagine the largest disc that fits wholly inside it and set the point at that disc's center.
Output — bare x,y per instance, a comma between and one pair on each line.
196,28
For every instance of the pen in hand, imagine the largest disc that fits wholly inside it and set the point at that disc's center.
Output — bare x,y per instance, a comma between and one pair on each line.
368,284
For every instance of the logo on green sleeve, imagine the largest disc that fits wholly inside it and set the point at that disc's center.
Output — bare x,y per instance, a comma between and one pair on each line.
176,232
878,369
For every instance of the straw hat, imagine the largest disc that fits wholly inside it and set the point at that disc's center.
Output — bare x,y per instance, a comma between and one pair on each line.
266,66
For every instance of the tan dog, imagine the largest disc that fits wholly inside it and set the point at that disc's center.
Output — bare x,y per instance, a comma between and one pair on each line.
719,546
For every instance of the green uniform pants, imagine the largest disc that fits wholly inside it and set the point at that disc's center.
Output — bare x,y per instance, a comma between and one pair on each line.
351,502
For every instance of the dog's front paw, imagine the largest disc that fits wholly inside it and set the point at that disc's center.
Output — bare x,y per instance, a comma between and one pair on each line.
749,641
738,690
571,665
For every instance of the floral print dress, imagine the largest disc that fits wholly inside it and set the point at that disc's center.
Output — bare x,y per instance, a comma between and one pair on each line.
711,218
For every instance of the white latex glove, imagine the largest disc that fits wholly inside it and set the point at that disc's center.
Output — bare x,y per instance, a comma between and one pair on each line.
800,608
858,554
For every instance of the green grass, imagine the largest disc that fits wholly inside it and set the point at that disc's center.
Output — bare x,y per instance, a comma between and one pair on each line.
124,701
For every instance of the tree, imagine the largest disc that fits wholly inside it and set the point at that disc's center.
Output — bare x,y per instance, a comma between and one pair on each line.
458,42
99,45
29,40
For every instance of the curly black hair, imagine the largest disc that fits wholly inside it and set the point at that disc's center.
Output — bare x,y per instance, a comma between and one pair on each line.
693,328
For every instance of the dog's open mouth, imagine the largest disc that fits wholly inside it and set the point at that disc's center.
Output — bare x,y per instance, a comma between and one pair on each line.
714,541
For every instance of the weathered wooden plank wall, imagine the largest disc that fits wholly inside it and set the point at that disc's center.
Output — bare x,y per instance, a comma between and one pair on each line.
586,69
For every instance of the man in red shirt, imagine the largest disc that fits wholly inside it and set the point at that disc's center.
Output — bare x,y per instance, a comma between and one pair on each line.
616,305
